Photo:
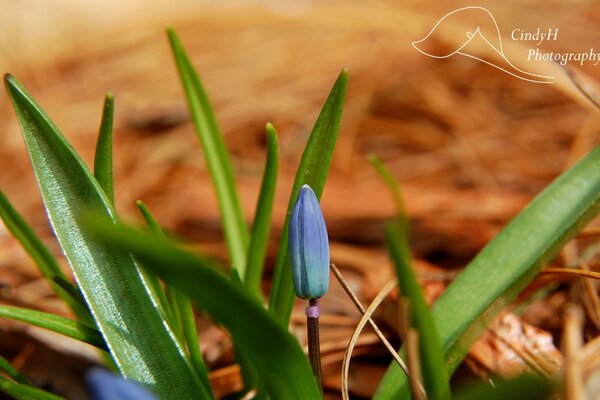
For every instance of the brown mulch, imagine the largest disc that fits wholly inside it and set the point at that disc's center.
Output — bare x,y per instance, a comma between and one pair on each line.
469,145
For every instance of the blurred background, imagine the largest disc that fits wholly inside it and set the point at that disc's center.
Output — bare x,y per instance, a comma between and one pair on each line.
469,144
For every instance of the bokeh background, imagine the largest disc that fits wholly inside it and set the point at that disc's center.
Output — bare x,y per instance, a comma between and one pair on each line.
469,144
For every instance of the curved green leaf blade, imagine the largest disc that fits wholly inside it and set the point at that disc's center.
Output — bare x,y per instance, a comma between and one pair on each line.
274,352
20,391
55,323
217,158
80,306
181,307
12,371
262,216
152,279
103,160
391,183
435,377
313,170
508,263
44,260
148,217
128,317
190,332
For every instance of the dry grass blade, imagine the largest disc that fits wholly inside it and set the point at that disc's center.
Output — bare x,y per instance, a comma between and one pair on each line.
582,87
363,321
573,345
571,271
592,231
412,349
590,298
362,310
590,355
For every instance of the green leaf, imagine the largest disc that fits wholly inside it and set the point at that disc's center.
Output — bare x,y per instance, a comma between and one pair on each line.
217,158
46,263
180,309
274,352
148,217
103,162
524,387
262,216
152,279
128,317
62,325
435,377
508,263
190,332
20,391
12,371
313,170
392,184
76,295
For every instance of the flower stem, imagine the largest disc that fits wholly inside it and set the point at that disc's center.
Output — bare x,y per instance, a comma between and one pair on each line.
314,350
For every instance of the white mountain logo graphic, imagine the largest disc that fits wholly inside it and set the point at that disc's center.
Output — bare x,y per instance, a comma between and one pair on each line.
447,25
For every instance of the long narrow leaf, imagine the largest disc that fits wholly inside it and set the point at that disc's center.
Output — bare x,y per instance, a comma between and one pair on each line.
20,391
262,216
312,171
435,377
103,161
274,352
46,263
80,306
128,317
12,371
217,158
152,279
190,332
508,263
391,183
180,309
58,324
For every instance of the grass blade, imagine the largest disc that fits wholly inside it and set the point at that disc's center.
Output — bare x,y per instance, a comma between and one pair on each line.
44,260
508,263
435,377
55,323
190,332
262,216
275,353
148,217
11,371
180,309
392,184
80,305
217,158
20,391
313,170
152,279
129,318
103,161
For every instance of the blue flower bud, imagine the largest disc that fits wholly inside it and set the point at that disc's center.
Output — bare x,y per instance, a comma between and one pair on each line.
309,246
104,385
